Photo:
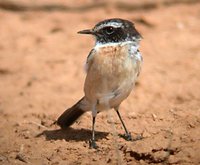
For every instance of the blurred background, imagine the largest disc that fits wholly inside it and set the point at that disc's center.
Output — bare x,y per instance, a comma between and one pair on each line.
41,74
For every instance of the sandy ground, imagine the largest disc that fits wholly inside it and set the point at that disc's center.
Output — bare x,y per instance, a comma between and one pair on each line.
41,74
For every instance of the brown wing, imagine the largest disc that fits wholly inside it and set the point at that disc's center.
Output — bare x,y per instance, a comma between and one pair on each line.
89,59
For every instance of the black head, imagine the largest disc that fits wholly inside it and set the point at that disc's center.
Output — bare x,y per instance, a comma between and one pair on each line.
114,30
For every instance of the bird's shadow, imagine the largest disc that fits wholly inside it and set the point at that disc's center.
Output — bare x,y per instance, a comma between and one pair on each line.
71,134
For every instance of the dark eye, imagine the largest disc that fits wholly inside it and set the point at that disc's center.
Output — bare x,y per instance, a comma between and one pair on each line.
109,30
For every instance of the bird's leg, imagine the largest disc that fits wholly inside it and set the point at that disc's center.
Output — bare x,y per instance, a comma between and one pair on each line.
127,134
92,141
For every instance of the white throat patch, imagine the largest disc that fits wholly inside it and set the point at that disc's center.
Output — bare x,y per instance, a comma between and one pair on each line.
100,45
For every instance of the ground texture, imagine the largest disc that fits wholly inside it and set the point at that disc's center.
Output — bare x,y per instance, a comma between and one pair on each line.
41,74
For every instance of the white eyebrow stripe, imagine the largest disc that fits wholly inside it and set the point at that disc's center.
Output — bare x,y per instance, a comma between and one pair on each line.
113,24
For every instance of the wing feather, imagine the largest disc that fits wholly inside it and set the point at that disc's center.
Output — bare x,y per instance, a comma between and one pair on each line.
89,60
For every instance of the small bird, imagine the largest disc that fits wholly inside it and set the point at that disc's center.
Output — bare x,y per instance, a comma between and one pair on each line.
112,67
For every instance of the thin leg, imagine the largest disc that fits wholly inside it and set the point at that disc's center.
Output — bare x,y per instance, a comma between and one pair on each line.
127,135
92,141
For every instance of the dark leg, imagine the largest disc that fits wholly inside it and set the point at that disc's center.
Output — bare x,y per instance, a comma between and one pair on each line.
92,141
127,134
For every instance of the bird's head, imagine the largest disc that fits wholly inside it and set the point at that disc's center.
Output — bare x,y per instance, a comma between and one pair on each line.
114,31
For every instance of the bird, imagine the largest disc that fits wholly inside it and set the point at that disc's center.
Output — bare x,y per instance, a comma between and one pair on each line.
112,66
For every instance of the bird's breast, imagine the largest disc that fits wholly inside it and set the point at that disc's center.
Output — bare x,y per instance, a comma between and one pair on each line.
112,71
113,61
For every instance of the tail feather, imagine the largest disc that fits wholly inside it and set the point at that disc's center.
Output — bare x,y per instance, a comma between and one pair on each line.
69,116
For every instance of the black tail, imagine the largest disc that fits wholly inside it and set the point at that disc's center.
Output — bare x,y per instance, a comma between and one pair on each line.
70,115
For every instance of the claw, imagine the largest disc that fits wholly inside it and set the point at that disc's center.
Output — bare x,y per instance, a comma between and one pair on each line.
127,137
93,144
138,137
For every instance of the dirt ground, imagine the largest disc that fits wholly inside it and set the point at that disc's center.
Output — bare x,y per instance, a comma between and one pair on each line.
41,74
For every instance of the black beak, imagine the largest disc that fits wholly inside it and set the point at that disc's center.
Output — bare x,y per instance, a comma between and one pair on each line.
89,31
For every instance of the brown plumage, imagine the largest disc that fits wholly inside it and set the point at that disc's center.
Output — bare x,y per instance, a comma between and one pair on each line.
113,66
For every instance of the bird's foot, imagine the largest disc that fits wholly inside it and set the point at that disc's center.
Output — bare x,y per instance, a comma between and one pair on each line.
92,144
128,137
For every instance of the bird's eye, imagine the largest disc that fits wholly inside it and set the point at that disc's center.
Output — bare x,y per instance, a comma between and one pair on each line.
109,30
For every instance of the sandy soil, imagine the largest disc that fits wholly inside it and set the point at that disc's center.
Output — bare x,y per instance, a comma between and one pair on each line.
41,74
